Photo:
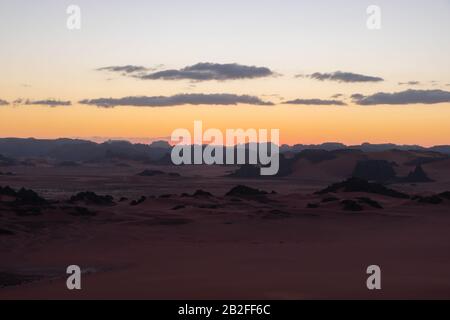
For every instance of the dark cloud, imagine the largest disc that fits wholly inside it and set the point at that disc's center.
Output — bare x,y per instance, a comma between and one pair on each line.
357,96
176,100
404,97
410,83
343,77
316,102
124,69
337,95
49,102
210,71
3,102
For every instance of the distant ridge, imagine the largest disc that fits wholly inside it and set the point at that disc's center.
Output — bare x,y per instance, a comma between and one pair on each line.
365,147
85,150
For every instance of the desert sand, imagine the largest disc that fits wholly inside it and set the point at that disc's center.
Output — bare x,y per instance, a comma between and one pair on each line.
290,243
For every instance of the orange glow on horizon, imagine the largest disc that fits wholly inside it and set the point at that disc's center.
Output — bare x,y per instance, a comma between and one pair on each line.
298,124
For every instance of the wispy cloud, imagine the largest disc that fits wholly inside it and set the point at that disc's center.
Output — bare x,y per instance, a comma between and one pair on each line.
177,100
410,83
316,102
404,97
47,102
124,69
341,76
210,71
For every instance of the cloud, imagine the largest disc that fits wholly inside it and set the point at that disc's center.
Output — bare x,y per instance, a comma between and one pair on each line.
3,102
49,102
410,83
357,96
124,69
316,102
210,71
337,95
176,100
404,97
343,77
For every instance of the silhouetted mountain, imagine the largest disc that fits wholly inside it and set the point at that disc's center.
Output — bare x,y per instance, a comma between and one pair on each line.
368,147
328,146
80,150
441,149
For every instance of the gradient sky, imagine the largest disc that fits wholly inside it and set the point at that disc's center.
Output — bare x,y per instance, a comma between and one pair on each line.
41,59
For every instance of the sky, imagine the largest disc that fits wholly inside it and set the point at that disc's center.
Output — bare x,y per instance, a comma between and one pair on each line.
312,69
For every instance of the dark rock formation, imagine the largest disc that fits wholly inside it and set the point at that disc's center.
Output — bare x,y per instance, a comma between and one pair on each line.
254,171
445,195
361,185
244,191
374,170
351,205
28,196
23,196
247,171
91,198
7,191
201,193
138,202
418,175
12,279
